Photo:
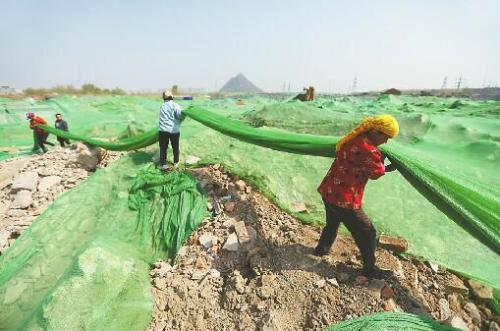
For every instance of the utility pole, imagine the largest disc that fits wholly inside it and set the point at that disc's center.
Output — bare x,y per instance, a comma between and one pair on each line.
354,84
445,82
459,82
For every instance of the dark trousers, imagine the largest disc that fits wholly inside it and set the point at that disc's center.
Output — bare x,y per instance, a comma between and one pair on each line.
63,141
163,139
41,139
360,226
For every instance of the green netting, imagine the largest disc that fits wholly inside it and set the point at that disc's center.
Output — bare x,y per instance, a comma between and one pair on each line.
391,321
448,150
473,206
84,263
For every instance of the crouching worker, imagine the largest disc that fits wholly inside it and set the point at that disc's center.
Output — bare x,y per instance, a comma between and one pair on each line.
39,134
61,125
357,160
169,129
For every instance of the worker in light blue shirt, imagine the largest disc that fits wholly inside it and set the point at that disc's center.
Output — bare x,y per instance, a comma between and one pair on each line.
169,129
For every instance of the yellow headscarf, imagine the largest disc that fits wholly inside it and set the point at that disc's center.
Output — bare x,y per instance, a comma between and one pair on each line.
383,123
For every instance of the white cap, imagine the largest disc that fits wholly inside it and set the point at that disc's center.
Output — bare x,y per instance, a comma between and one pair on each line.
167,94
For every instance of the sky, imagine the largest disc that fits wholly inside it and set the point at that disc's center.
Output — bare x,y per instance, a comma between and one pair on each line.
151,45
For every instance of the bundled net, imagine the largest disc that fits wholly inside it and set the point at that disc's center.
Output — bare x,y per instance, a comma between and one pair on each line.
84,263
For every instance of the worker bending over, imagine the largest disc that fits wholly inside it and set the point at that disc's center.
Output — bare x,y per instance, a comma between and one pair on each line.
39,134
357,160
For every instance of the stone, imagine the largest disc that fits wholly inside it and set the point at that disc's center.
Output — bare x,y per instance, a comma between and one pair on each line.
46,183
454,301
395,244
298,207
242,233
191,159
456,286
458,323
434,266
26,181
473,312
161,269
229,206
200,263
375,287
390,305
494,326
444,309
231,243
88,157
206,240
241,185
343,276
361,280
320,283
479,290
333,282
387,292
22,200
197,275
214,273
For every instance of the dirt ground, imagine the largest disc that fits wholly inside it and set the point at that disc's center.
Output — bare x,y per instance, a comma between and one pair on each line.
269,278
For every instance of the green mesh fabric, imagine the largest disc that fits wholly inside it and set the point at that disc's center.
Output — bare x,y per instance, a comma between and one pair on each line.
474,207
391,322
84,263
443,200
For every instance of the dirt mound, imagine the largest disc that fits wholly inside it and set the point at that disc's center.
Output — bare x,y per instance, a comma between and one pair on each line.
251,267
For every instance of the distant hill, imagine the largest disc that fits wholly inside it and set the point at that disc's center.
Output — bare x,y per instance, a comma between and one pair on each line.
240,84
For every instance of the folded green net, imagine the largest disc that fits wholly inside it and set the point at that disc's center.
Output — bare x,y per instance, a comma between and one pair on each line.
390,322
84,263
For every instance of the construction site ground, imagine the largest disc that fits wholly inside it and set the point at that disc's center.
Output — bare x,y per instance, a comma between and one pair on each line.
250,266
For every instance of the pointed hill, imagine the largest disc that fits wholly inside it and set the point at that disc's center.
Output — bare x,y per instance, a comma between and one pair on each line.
240,84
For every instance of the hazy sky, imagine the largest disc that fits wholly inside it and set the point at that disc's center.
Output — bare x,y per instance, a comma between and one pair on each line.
154,44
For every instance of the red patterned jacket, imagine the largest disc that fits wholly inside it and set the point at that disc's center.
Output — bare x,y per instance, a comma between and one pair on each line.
35,121
355,163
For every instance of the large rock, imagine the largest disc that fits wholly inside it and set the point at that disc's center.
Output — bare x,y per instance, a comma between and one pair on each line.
395,244
231,243
207,240
46,183
88,157
458,323
22,200
481,291
444,309
25,181
473,312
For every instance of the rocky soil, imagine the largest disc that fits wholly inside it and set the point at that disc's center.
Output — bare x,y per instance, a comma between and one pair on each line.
29,185
251,267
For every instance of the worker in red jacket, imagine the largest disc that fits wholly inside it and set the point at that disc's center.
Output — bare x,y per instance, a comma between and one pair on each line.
357,160
40,135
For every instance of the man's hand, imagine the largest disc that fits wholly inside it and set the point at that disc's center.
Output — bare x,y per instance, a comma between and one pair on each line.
390,167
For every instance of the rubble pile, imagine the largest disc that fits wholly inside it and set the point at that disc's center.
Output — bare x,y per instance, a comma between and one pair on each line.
251,267
29,185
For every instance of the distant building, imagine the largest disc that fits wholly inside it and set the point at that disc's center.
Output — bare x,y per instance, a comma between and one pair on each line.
6,89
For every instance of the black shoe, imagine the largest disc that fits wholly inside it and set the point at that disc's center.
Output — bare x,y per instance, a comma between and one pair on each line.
377,273
320,251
